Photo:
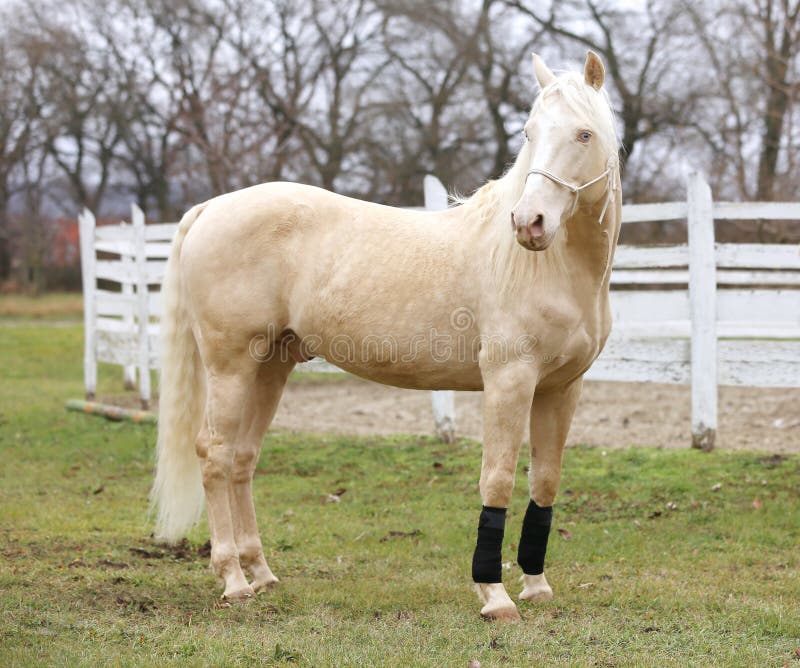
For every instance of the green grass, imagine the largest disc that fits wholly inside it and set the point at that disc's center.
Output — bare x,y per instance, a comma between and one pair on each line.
708,581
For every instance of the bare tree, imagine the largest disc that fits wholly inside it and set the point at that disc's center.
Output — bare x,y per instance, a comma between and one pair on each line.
198,67
778,26
350,63
506,82
80,103
756,91
283,62
430,110
148,127
18,134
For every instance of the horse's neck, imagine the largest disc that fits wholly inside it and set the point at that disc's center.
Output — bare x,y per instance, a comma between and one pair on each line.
589,245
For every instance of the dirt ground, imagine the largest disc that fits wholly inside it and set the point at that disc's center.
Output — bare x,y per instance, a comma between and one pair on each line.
609,414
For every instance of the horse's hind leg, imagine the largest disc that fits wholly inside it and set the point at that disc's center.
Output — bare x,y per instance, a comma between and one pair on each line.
228,389
258,413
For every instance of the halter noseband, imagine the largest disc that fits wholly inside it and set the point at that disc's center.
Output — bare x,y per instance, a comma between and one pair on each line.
612,183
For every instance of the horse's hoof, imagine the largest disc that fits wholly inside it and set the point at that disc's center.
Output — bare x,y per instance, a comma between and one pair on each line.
501,614
536,589
264,583
536,596
497,603
243,594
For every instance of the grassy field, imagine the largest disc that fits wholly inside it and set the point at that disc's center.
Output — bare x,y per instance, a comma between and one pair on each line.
658,558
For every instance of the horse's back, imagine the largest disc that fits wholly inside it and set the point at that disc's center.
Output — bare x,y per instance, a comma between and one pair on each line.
287,255
279,206
295,221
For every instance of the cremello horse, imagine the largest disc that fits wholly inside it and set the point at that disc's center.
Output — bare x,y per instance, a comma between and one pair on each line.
516,276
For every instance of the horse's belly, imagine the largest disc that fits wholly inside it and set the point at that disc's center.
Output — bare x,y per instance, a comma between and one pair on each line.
420,377
409,362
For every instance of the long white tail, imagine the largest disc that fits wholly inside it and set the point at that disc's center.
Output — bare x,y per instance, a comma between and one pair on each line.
177,491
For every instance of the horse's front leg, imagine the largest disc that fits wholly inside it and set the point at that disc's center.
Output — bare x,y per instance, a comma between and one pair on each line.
508,391
551,415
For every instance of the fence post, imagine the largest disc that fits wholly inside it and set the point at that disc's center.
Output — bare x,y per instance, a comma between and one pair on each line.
703,310
142,300
86,227
443,402
129,371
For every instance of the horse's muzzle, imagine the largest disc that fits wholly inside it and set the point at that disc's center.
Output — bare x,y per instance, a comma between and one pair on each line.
531,234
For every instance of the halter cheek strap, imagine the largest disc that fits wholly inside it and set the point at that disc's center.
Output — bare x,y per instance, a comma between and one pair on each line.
611,174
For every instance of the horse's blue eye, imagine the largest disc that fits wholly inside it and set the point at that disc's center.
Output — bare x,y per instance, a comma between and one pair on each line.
584,137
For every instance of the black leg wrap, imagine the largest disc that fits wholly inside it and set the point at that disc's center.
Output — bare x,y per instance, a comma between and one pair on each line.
533,542
487,564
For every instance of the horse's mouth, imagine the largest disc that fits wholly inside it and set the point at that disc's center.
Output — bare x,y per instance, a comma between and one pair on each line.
541,244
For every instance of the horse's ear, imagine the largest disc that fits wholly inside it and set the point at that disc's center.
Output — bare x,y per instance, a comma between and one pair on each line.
544,75
593,71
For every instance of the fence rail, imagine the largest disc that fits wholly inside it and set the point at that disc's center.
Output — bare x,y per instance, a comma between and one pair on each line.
699,313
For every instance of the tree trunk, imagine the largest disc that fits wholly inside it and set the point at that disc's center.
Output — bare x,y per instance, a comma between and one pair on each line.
5,245
775,113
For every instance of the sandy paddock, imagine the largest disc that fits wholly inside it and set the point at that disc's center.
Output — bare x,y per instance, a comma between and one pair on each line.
609,414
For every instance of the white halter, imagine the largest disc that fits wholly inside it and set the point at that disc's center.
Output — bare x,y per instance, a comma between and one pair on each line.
612,183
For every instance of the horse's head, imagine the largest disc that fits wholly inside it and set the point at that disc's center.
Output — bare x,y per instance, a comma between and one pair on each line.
570,152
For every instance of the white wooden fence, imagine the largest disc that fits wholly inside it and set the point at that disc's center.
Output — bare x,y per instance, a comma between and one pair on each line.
699,313
120,264
704,313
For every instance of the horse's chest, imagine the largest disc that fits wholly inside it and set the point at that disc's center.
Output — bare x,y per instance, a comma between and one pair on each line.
581,348
570,337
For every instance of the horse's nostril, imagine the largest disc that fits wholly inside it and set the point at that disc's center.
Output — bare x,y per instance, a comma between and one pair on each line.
537,226
513,222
